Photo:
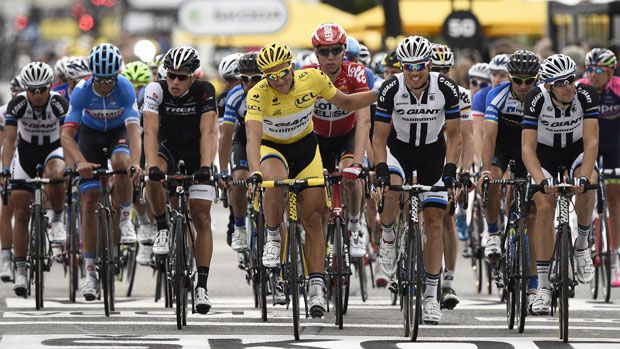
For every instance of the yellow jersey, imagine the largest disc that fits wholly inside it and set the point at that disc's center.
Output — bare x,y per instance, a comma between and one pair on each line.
287,118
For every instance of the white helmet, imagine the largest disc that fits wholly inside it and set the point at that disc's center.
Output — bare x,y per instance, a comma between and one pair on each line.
414,49
500,63
229,66
556,67
161,72
76,68
364,56
59,67
480,70
37,74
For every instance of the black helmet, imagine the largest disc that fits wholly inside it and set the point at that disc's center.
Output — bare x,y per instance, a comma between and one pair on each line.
523,62
182,58
16,84
391,60
248,64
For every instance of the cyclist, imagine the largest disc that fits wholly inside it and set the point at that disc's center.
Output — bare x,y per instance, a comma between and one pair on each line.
443,60
600,65
180,122
560,128
342,135
36,115
352,54
104,111
6,213
411,113
281,145
479,80
59,72
75,69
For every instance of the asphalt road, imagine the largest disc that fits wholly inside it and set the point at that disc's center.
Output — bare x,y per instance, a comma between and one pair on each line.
477,322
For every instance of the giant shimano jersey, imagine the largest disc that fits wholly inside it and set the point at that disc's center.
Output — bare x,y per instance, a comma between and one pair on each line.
504,109
287,118
329,120
559,128
478,105
609,121
37,127
416,121
180,117
235,106
117,109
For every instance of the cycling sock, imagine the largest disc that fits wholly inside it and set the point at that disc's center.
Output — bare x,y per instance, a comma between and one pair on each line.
354,224
239,222
448,278
581,242
388,232
273,233
20,265
542,267
5,254
57,216
319,277
161,222
143,219
203,275
432,280
532,284
125,212
493,228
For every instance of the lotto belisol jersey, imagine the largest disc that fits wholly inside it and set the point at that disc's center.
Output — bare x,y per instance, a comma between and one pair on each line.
609,107
559,127
37,126
287,118
111,112
329,120
465,104
418,121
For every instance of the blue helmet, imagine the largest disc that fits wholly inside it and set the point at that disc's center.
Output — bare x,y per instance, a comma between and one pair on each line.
353,47
105,60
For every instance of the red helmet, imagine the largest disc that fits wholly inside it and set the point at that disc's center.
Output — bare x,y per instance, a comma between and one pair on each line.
329,34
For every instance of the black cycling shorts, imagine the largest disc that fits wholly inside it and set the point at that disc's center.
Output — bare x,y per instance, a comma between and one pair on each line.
333,149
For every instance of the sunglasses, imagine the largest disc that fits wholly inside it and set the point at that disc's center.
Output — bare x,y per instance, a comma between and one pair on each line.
595,69
38,89
104,80
418,67
253,78
279,74
561,83
476,83
181,77
326,51
520,81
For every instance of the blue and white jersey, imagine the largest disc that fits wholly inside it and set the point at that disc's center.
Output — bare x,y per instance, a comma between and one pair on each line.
235,107
117,109
63,90
371,78
504,109
478,104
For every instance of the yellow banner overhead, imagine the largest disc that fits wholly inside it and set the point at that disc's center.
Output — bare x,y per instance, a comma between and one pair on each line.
58,28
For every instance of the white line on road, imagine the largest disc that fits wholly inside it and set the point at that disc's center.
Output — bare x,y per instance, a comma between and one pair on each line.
549,319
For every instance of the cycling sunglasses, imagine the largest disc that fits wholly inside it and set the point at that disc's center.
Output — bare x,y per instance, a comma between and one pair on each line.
478,83
253,78
38,89
520,81
561,83
181,77
326,51
104,80
595,69
418,67
279,74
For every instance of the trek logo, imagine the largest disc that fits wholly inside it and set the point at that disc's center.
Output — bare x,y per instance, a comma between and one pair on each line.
305,100
179,110
417,111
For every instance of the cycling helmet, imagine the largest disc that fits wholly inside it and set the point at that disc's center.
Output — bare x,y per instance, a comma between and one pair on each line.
391,60
138,73
157,61
229,66
442,56
248,64
414,49
182,58
557,67
105,60
59,67
329,34
480,71
499,63
161,72
16,84
601,57
377,64
37,74
77,68
523,62
272,55
353,48
364,56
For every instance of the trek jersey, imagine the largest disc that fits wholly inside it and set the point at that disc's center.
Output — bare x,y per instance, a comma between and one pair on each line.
609,120
329,120
287,118
415,121
117,109
180,117
559,128
37,127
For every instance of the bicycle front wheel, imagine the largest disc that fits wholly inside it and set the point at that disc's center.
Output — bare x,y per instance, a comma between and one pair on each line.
605,261
179,270
39,255
338,267
416,249
521,279
565,247
293,277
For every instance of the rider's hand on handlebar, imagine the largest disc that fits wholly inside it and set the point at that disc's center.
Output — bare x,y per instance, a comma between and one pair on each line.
549,186
85,169
155,174
580,184
352,172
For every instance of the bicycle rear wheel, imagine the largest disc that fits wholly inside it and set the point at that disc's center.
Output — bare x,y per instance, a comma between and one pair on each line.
263,275
564,251
415,251
605,261
597,256
102,252
346,270
112,258
74,252
293,277
510,271
39,255
131,267
361,274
